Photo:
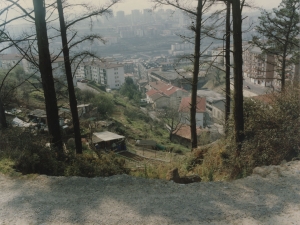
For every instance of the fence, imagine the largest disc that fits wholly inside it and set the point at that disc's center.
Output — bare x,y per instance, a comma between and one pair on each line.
153,154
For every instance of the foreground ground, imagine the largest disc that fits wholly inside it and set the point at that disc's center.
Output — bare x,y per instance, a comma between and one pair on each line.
272,198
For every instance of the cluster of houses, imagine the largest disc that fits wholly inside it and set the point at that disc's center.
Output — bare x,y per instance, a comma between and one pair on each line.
163,86
37,118
209,109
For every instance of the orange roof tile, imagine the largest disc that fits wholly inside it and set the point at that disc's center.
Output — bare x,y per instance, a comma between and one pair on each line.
267,98
166,89
151,92
185,104
184,131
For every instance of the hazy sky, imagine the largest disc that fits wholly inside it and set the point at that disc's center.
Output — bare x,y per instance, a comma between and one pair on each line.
128,5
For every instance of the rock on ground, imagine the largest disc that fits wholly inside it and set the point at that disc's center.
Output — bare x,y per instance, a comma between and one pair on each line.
266,197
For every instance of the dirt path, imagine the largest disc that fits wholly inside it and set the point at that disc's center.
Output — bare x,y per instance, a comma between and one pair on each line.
274,199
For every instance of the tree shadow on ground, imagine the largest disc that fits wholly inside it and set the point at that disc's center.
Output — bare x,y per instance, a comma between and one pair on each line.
129,200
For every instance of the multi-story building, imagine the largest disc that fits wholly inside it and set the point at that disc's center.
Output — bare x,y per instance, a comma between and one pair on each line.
58,67
87,70
128,66
257,66
109,74
78,71
292,71
7,61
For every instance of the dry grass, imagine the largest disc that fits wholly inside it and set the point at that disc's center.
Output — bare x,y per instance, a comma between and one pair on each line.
212,166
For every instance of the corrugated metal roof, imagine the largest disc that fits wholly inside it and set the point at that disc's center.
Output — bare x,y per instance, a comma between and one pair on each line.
38,113
145,142
105,136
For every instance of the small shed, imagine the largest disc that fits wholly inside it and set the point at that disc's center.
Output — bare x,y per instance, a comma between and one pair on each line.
84,108
108,141
38,116
146,144
182,135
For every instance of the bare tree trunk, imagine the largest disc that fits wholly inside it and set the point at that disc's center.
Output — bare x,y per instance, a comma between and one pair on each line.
195,75
238,74
47,76
3,123
227,62
283,69
72,97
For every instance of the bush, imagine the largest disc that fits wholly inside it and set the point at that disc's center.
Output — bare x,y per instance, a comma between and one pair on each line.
272,132
30,155
39,160
130,90
104,103
89,166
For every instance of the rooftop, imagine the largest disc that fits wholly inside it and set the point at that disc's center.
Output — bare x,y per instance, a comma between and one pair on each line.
186,103
210,95
164,88
10,57
105,136
151,92
267,98
184,131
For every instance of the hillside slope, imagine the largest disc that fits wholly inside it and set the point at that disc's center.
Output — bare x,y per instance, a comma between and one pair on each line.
272,199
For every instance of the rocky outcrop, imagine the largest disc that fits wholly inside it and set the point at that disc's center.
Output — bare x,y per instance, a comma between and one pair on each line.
174,176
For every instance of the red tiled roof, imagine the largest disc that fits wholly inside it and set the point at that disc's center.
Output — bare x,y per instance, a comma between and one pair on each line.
184,131
151,92
185,104
267,98
166,89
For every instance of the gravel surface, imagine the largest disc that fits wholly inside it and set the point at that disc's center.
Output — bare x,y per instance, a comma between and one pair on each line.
270,196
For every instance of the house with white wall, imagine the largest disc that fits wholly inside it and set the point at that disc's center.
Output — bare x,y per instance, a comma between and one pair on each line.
185,108
175,94
157,99
215,106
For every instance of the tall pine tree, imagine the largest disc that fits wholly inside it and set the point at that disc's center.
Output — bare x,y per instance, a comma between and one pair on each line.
278,31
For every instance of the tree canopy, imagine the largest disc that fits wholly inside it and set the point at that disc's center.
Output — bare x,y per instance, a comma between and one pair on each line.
277,33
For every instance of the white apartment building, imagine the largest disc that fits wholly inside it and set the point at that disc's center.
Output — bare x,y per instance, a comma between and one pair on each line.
109,74
7,61
58,67
78,71
113,76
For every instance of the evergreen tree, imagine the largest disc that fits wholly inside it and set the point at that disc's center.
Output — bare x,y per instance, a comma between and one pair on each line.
278,31
238,110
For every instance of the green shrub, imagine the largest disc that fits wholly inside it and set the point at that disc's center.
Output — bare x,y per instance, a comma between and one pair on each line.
272,132
39,160
30,155
89,166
